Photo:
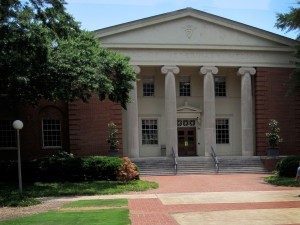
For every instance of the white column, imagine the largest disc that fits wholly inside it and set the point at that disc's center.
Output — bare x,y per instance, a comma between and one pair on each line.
170,109
247,111
209,107
132,121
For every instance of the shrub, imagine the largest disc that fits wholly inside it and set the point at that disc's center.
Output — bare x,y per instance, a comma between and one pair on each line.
273,136
128,171
63,167
287,167
101,167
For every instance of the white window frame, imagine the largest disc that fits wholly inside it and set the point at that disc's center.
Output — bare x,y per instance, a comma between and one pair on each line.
149,81
11,131
185,79
157,133
229,135
225,84
50,130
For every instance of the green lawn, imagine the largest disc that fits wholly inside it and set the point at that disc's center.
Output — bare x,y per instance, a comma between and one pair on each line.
90,217
9,193
97,203
282,181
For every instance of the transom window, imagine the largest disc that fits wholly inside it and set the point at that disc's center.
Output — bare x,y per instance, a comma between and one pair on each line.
185,86
7,134
220,86
222,131
51,133
148,86
149,132
186,123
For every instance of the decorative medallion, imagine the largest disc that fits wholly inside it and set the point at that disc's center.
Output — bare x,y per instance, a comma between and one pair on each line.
189,30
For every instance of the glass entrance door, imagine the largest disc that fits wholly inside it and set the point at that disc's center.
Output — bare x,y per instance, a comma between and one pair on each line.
186,141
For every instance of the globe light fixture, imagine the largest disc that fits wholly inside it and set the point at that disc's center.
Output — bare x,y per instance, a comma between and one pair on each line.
18,125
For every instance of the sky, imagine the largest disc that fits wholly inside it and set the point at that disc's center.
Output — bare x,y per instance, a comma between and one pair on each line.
97,14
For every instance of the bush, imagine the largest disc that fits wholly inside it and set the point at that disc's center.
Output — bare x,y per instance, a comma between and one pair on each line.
101,167
127,171
287,167
63,167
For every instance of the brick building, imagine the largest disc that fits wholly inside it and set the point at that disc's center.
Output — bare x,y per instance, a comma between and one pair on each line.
203,81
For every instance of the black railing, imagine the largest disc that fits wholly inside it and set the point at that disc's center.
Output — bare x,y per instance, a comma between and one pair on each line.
174,160
215,158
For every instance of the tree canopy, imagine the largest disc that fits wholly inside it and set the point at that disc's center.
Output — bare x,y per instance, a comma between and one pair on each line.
291,21
45,54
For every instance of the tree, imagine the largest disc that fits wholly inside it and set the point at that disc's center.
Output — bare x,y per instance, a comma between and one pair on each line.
291,21
45,54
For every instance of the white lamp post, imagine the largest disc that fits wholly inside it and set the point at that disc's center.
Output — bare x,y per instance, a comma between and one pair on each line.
18,125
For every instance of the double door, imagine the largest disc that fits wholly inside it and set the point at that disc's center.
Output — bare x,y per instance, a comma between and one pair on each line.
187,141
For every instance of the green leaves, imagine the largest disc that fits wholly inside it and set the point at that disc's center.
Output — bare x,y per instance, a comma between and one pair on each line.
45,54
273,135
291,21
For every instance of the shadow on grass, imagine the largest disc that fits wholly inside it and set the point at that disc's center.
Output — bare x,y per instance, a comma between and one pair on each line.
10,192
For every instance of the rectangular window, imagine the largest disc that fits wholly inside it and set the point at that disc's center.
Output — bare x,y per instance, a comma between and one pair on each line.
51,133
8,134
185,86
149,132
222,131
220,86
148,87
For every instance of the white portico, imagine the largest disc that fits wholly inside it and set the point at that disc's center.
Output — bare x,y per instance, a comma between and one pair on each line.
195,82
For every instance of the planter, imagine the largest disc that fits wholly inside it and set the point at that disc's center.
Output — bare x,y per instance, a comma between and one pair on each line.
272,151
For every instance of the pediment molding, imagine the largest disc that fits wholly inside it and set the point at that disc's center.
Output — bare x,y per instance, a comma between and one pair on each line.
189,29
189,112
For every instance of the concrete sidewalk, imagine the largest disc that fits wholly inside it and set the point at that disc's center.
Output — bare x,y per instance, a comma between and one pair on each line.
215,199
211,200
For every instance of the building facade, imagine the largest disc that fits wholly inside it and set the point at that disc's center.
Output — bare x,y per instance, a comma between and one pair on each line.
203,82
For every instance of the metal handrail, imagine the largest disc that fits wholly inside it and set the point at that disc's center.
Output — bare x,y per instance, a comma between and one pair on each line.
174,160
215,158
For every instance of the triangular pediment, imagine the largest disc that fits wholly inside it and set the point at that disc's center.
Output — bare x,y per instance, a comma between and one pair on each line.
188,112
190,29
186,108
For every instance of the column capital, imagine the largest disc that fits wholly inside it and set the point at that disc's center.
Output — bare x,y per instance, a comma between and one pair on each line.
246,70
136,69
170,69
209,69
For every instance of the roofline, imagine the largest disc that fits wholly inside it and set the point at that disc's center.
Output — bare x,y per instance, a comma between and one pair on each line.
148,21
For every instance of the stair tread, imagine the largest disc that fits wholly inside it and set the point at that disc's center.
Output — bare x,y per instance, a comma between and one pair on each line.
160,166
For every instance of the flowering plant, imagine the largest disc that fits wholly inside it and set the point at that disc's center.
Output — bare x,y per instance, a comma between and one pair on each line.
112,136
273,135
128,171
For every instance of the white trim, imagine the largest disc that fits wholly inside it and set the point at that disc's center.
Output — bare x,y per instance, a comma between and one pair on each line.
60,130
197,14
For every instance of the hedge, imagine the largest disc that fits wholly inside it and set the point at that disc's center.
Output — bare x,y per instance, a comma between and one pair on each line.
287,167
63,167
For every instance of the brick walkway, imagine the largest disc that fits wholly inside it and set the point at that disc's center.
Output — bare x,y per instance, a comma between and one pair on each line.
153,211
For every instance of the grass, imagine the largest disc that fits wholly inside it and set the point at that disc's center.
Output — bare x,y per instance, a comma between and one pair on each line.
282,181
97,203
91,217
9,193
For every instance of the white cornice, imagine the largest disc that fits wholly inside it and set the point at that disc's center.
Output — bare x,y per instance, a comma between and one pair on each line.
189,12
199,47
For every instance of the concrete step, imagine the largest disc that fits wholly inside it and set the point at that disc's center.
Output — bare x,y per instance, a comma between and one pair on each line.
162,166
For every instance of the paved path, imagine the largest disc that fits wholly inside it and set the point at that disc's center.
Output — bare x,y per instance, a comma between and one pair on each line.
216,199
209,200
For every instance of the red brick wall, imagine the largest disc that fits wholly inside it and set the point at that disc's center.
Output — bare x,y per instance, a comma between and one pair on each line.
88,126
31,134
271,102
